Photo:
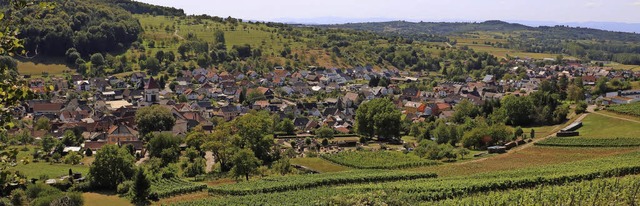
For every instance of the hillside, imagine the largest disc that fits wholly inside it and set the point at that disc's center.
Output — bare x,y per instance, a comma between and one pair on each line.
583,43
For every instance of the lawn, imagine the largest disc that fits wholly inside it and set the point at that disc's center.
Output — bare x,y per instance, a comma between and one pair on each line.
534,156
598,126
318,164
37,169
100,199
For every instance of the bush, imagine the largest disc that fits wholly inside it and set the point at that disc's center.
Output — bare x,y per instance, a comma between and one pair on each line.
124,187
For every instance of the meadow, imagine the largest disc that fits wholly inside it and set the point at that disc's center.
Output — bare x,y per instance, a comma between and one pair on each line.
599,126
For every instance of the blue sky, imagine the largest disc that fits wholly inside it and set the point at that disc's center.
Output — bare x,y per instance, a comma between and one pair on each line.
627,11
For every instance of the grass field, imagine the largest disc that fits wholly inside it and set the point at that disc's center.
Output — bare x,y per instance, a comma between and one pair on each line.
598,126
36,67
99,199
618,66
319,164
37,169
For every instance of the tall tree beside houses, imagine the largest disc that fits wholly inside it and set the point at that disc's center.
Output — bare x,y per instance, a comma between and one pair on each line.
154,118
380,118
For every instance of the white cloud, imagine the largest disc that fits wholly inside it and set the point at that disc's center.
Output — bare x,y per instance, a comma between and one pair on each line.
636,3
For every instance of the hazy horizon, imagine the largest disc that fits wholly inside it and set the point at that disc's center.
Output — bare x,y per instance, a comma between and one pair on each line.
623,11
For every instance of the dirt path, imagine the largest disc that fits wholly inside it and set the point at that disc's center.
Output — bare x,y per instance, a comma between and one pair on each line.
210,161
177,35
145,158
519,148
591,109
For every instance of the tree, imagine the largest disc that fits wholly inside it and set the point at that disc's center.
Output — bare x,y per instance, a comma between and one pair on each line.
43,123
601,86
253,130
97,60
88,152
219,40
152,65
112,166
282,166
154,118
532,134
197,167
69,138
72,158
518,131
141,188
286,125
378,117
464,109
517,109
244,164
324,133
165,146
219,142
575,93
462,152
581,107
48,143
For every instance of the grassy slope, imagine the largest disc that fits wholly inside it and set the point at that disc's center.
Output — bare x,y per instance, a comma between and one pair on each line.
319,164
598,126
35,67
37,169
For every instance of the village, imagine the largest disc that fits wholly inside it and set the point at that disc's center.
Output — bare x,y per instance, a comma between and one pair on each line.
103,110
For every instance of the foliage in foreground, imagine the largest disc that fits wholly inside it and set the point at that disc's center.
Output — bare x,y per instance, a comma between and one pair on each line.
377,160
611,191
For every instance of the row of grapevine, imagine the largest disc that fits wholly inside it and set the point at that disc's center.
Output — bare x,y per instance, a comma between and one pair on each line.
377,160
590,142
174,186
627,109
286,183
611,191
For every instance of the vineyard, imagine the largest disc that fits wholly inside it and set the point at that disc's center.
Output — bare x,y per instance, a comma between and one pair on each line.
611,191
174,186
377,160
286,183
627,109
413,192
589,142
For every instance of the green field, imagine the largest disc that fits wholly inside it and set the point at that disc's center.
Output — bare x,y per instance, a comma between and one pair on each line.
626,109
38,169
377,159
589,142
598,126
318,164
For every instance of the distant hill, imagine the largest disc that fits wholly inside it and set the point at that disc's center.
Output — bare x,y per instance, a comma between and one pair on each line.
143,8
451,28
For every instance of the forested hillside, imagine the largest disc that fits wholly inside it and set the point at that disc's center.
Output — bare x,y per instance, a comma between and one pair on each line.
87,26
585,43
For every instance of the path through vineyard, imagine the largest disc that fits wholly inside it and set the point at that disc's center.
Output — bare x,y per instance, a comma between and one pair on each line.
592,110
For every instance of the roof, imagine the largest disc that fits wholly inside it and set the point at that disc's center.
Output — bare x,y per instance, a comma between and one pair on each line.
47,106
151,84
121,130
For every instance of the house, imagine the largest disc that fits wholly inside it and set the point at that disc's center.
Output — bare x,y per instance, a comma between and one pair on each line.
228,112
151,90
301,123
121,132
47,108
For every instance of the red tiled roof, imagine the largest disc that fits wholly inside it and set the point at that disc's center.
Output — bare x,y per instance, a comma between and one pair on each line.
151,84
